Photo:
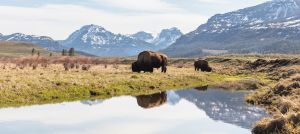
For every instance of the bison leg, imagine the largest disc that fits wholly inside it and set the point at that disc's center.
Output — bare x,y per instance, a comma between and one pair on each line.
151,70
148,69
163,69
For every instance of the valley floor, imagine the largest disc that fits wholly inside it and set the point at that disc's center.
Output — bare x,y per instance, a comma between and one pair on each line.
53,84
273,80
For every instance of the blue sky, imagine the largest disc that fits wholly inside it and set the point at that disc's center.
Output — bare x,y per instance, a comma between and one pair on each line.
59,18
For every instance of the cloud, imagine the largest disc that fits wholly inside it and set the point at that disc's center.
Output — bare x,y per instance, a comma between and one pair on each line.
151,6
59,21
59,18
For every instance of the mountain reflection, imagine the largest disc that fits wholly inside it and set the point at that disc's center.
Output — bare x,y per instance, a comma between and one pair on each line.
153,100
219,105
225,106
91,102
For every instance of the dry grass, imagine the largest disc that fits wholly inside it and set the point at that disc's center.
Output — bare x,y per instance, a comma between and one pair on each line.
34,84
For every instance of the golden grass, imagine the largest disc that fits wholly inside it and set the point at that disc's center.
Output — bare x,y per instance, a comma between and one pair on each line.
54,84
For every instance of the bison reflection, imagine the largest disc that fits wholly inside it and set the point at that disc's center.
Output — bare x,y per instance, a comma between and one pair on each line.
148,60
204,88
153,100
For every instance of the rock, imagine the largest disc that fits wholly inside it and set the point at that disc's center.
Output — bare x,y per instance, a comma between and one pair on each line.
274,126
294,119
284,107
281,90
258,63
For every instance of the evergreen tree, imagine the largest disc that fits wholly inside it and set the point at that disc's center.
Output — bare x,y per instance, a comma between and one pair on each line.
64,52
32,51
71,52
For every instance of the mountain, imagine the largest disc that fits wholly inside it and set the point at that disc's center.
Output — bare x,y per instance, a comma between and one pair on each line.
271,27
166,38
98,41
147,37
42,41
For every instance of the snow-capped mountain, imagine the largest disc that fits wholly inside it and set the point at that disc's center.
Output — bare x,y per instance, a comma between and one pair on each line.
96,40
166,38
147,37
42,41
271,27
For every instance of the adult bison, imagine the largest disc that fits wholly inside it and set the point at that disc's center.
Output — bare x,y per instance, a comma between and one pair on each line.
202,65
149,60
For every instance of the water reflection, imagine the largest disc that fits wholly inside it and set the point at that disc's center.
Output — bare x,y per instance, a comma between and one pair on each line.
225,106
204,88
187,111
219,105
153,100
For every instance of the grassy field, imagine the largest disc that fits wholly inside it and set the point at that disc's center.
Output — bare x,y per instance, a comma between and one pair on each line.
54,84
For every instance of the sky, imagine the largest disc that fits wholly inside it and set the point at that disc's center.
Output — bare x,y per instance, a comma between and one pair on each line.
59,18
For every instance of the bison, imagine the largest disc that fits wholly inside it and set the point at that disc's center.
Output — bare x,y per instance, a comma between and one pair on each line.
202,65
149,60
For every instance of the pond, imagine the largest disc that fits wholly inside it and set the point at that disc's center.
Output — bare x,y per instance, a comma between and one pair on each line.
194,111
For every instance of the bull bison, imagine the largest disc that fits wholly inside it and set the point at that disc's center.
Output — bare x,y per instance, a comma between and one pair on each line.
202,65
153,100
148,60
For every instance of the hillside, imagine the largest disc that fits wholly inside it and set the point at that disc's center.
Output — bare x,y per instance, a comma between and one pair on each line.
14,49
271,27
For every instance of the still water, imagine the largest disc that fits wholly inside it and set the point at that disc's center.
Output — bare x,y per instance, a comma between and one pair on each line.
194,111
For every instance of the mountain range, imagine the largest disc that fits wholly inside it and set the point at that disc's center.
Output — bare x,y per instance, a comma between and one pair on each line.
99,41
224,106
96,40
271,27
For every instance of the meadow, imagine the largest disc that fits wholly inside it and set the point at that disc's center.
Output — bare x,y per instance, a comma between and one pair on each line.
273,82
37,80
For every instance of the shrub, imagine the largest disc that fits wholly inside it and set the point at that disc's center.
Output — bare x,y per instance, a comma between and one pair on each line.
86,67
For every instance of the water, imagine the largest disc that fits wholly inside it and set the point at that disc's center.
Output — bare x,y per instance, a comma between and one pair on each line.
195,111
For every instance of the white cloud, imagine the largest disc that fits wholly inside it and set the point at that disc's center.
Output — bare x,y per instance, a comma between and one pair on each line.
218,2
119,16
140,5
59,21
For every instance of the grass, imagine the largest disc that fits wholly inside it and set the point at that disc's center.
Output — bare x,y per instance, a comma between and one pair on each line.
53,84
275,87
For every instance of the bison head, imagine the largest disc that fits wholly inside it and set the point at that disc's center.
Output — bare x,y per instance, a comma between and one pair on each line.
135,67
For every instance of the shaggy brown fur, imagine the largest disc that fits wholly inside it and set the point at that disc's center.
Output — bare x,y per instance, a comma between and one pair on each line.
148,60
